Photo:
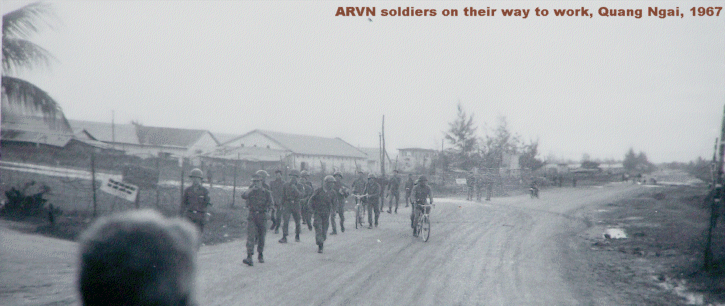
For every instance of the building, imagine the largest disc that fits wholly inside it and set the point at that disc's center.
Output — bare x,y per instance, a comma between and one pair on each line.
147,141
303,152
415,158
372,165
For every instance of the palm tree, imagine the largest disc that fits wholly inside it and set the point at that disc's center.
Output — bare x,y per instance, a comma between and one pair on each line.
21,54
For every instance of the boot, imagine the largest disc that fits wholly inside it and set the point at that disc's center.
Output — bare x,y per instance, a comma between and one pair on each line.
342,227
260,258
334,232
319,250
389,211
309,227
297,238
283,240
248,260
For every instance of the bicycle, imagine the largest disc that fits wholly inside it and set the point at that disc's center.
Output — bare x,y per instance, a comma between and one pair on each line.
359,209
422,228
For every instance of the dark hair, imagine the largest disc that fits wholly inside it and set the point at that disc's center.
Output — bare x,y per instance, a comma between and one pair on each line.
138,258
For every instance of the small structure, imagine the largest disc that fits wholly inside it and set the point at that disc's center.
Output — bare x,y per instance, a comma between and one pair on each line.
413,158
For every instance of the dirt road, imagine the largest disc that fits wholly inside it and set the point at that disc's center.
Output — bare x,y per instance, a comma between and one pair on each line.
510,251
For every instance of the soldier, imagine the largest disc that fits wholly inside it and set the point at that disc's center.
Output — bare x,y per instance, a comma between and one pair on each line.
196,200
322,203
342,193
358,186
307,193
372,189
421,191
259,201
276,187
489,188
470,182
383,182
394,191
480,184
408,188
291,194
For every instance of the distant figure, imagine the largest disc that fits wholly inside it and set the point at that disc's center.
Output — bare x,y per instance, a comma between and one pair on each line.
573,181
408,188
138,258
470,183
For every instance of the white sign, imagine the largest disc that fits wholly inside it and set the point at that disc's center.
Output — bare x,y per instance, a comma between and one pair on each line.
120,189
460,181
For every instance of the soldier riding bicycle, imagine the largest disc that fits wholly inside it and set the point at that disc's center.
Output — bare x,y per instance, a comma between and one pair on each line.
420,192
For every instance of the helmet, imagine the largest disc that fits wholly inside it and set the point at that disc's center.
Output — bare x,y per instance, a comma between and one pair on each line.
337,173
329,178
256,177
371,175
294,172
262,174
304,173
422,178
196,172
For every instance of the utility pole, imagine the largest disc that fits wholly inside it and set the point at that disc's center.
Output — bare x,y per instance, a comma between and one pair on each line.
717,196
383,154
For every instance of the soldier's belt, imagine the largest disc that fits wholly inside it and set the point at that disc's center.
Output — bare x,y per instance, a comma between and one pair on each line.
196,211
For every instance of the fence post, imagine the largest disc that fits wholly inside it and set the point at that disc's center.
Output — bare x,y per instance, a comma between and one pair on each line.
93,182
181,202
234,189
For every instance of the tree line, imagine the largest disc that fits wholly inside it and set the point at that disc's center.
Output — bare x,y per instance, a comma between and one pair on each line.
468,150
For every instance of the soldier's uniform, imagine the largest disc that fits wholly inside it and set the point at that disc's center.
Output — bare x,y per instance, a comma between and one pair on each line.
394,192
322,203
358,187
383,182
372,189
408,189
470,182
342,193
195,203
480,184
259,202
305,207
420,193
291,194
276,187
489,188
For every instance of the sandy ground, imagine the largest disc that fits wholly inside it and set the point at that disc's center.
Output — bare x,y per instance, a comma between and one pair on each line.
510,251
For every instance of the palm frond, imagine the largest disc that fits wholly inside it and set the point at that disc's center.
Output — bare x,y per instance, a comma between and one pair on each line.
26,21
24,94
23,54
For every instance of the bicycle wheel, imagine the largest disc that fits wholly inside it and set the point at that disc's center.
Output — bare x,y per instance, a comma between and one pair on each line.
357,216
425,229
419,227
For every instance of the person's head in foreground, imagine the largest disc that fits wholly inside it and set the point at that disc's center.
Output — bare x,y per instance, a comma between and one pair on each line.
138,258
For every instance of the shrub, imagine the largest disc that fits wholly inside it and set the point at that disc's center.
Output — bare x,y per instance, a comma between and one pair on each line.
20,204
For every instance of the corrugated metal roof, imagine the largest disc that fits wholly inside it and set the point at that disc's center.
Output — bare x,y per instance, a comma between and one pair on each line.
103,131
248,154
163,136
314,145
310,145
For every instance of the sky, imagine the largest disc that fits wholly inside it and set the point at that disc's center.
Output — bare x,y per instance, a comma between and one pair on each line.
579,85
